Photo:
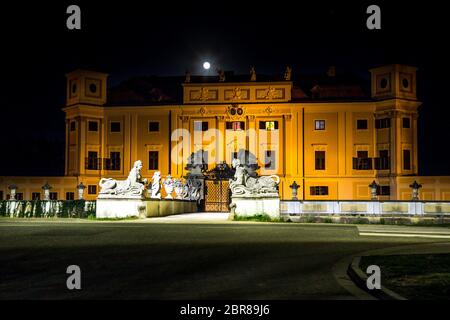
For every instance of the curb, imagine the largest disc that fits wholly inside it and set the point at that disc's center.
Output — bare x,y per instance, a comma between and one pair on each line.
359,277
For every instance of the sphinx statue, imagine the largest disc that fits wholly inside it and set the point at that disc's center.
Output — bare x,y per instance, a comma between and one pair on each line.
133,186
245,185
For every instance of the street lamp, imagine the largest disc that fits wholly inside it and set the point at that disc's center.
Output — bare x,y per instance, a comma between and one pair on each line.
46,187
12,188
373,190
294,187
80,189
415,190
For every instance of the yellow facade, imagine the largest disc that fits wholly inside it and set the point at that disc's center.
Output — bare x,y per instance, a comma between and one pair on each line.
332,149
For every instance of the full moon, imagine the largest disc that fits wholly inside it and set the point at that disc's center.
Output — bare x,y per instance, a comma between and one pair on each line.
206,65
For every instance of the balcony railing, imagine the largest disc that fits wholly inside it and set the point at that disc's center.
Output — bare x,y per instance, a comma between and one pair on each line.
362,163
93,163
383,163
111,164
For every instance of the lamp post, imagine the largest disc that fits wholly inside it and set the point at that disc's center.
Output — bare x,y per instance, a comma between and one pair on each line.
46,187
80,189
373,190
12,189
294,187
415,190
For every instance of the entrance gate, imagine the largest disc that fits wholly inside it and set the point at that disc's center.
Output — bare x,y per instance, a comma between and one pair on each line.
217,193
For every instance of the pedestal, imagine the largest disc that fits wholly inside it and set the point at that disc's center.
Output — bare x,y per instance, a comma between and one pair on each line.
121,208
248,206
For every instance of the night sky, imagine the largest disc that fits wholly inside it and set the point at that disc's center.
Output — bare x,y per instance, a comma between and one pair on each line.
131,38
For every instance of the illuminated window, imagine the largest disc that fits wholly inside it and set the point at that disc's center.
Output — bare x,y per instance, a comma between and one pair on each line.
235,125
93,126
200,126
153,159
35,196
268,125
318,191
319,124
92,189
319,160
70,195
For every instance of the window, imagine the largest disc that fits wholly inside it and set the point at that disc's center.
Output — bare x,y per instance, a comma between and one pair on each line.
19,196
361,124
114,159
269,161
406,123
382,123
319,124
200,126
153,126
320,160
115,126
318,191
236,125
92,189
53,195
406,160
93,126
73,125
70,195
384,190
268,125
382,163
35,196
1,195
362,161
92,161
153,160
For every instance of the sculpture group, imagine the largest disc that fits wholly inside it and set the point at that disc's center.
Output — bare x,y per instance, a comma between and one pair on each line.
245,185
136,187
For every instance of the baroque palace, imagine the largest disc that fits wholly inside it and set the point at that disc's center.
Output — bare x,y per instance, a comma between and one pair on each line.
330,134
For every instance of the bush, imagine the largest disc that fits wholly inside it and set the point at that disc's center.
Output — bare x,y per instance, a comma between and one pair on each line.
47,209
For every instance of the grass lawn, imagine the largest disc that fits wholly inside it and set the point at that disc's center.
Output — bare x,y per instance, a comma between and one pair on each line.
416,276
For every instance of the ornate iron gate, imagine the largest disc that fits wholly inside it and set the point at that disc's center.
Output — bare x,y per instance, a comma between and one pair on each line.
217,193
217,196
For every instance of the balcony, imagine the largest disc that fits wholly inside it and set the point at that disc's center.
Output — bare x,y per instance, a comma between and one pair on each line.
362,163
383,163
93,163
111,164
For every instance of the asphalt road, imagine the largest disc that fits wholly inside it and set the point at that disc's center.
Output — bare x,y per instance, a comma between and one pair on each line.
130,260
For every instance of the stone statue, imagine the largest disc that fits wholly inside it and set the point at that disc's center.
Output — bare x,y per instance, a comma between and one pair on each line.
245,185
221,75
133,186
169,185
194,187
288,74
156,186
252,74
